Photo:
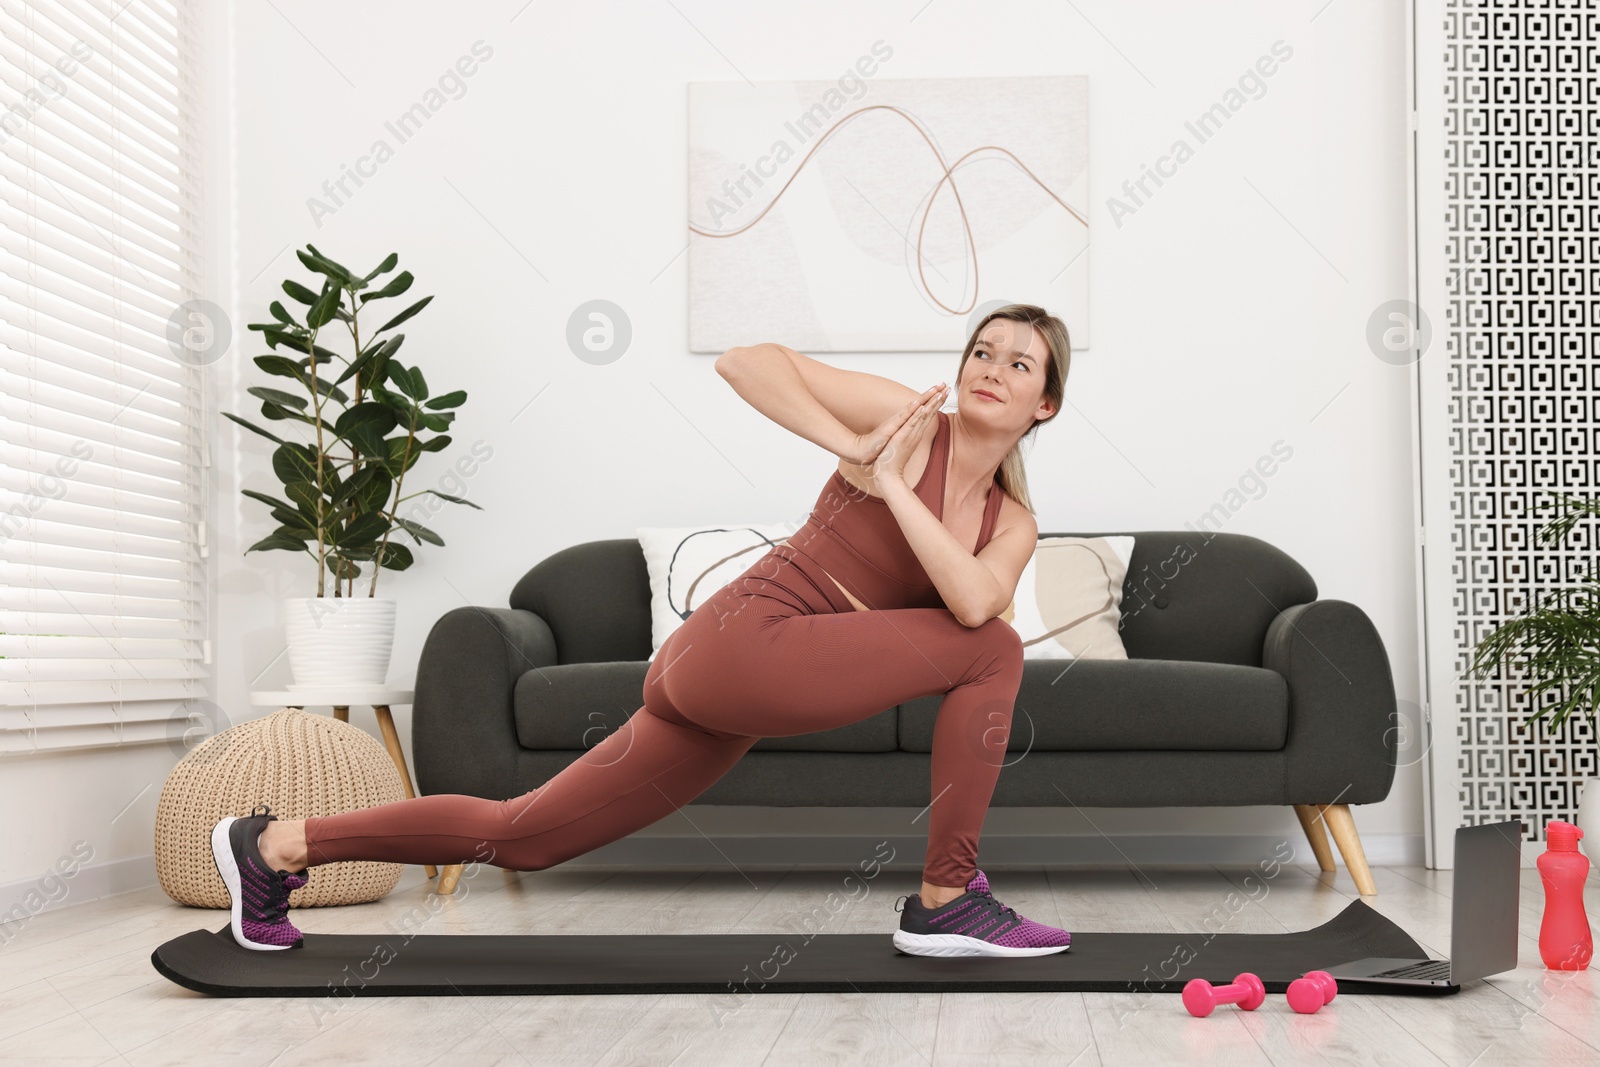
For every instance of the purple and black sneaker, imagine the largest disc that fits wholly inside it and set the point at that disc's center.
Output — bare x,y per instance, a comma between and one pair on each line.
973,924
260,896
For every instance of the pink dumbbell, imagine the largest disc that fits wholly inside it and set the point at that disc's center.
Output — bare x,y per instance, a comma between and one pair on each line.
1312,991
1200,996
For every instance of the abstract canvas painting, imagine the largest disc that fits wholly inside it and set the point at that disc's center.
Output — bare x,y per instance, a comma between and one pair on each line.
872,214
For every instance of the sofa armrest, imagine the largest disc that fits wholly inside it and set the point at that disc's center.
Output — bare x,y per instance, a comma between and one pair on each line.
1341,745
463,726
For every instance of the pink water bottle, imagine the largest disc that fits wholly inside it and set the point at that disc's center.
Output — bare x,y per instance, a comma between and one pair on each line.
1565,942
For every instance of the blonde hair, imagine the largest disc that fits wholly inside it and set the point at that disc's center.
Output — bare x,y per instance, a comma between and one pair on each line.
1011,475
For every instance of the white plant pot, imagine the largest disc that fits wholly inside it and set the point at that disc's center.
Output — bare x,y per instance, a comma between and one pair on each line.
338,640
1588,818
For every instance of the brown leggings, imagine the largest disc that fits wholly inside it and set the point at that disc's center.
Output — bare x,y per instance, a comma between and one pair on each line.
771,654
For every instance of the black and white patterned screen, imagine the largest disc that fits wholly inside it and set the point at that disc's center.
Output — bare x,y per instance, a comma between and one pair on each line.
1522,336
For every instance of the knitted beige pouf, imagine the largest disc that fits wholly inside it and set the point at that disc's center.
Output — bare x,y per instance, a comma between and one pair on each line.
299,764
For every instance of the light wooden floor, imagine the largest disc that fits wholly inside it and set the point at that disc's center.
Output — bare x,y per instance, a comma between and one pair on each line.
77,987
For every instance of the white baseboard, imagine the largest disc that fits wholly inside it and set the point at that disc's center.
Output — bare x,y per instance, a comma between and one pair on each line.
756,851
1012,850
21,901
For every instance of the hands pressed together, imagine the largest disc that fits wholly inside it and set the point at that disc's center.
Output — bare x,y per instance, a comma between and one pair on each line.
881,455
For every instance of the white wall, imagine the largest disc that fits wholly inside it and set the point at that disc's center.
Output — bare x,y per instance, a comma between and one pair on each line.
1229,310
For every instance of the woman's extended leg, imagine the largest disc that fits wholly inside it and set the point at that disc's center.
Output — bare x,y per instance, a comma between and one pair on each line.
721,683
773,674
644,771
755,661
640,773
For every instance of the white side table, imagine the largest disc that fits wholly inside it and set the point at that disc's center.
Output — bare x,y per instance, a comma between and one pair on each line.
378,698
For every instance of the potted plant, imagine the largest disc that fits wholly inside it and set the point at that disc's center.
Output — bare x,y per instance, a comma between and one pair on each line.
342,491
1557,644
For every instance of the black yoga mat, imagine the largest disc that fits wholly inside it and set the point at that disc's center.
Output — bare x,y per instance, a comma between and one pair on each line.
737,965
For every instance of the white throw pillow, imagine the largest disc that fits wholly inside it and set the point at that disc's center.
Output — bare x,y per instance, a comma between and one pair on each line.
689,564
1069,598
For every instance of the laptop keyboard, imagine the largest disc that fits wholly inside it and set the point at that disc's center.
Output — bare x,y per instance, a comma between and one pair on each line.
1428,969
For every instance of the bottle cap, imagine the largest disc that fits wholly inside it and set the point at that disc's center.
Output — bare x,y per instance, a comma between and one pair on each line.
1562,836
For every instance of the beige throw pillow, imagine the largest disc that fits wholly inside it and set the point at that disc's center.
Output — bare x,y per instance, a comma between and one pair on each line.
688,564
1069,598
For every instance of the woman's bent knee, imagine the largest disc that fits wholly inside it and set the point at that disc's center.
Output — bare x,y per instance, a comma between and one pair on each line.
1002,637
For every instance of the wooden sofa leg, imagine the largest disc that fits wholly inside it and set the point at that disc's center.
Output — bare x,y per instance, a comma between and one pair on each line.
1343,827
1311,822
449,878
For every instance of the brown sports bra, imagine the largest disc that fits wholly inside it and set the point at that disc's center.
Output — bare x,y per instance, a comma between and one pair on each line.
855,538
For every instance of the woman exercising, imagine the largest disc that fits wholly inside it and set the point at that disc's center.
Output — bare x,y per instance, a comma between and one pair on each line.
892,589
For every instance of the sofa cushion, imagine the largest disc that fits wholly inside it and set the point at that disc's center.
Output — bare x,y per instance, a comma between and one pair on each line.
595,597
1088,705
1203,596
575,706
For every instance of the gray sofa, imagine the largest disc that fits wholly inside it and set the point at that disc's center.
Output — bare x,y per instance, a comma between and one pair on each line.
1241,687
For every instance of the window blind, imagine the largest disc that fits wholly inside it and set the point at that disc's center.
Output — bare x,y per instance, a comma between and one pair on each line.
102,600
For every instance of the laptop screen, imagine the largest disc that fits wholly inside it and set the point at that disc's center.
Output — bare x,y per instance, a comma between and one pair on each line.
1485,899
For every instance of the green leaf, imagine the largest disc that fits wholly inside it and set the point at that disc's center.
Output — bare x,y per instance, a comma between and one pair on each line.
280,314
420,382
253,427
330,477
453,499
332,270
299,292
282,366
329,389
304,494
448,400
403,450
294,520
364,530
397,285
375,495
279,540
301,344
436,423
374,346
378,370
405,380
314,250
273,333
373,351
417,530
399,403
396,557
322,311
358,482
295,463
406,314
279,413
387,265
436,444
398,553
264,498
367,413
369,442
277,396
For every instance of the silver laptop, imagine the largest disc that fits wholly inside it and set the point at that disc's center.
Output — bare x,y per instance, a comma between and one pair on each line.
1483,916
